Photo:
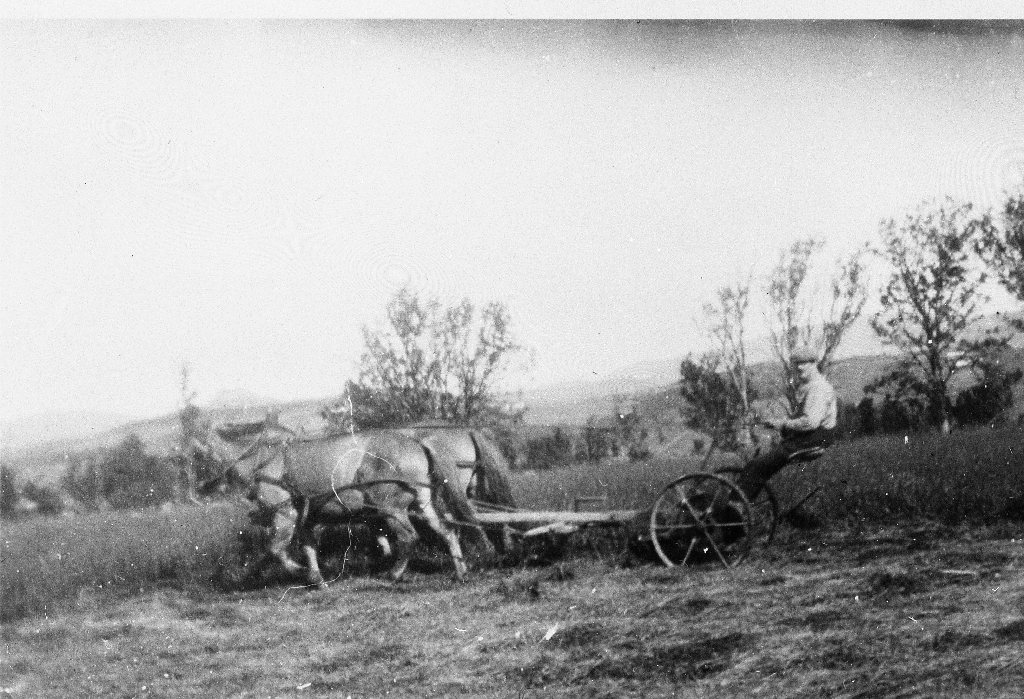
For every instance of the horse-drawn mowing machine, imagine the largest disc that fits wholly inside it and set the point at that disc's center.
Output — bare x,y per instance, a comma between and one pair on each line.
386,476
698,517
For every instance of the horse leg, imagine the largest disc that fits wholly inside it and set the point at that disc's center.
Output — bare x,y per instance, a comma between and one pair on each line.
308,539
282,531
314,575
426,506
406,537
283,524
507,543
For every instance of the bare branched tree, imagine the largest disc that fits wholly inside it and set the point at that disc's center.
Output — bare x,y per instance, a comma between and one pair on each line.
193,431
432,361
725,323
797,314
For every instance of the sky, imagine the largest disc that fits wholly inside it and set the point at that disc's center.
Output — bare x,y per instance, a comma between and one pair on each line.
244,195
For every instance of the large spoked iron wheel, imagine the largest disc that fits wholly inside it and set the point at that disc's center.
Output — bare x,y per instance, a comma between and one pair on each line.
764,510
701,518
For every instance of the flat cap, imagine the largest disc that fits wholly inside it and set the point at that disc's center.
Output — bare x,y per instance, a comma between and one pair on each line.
804,353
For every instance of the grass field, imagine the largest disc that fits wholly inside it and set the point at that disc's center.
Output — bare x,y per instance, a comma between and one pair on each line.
915,588
969,477
892,613
48,563
974,476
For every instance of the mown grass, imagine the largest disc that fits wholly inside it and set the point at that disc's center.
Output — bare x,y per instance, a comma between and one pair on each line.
50,563
787,625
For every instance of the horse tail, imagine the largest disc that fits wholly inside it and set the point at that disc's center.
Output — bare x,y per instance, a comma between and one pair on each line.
445,474
495,469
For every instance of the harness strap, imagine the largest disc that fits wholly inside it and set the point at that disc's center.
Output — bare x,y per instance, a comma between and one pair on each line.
261,477
272,509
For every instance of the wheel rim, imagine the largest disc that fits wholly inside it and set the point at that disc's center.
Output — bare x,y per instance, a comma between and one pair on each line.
699,518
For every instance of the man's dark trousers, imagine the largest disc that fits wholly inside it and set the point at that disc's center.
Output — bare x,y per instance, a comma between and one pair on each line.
760,469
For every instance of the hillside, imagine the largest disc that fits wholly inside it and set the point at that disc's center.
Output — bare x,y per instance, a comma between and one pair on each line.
34,429
649,388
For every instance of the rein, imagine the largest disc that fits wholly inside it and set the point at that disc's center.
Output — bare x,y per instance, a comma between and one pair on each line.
257,470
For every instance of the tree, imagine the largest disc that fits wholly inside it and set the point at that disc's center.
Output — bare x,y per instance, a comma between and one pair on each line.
47,499
725,324
194,428
931,299
597,441
796,317
85,479
632,432
549,451
1002,247
984,402
134,478
433,362
711,402
866,415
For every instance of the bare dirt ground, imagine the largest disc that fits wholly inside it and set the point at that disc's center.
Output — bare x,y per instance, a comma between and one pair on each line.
898,612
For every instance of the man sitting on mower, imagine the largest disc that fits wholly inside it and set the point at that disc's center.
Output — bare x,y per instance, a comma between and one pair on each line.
812,425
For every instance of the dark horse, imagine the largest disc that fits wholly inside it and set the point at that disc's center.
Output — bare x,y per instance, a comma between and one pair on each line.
375,476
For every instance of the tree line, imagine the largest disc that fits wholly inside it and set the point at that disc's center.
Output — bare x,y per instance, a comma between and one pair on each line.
936,261
432,361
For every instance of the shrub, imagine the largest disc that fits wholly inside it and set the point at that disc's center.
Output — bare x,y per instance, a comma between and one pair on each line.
47,499
549,451
124,476
986,401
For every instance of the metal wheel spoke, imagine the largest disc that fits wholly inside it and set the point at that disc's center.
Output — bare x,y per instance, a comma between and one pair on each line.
681,494
689,550
701,512
718,553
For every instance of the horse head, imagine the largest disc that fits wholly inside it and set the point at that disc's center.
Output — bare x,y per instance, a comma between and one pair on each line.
338,416
245,449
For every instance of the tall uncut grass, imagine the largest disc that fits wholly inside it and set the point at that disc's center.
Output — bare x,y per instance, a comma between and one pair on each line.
974,476
48,563
624,484
967,477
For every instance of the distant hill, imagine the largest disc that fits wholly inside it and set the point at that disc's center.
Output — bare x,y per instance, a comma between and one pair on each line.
237,398
34,429
36,446
573,403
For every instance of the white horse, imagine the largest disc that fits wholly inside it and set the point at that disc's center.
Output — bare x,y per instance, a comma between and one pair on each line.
375,477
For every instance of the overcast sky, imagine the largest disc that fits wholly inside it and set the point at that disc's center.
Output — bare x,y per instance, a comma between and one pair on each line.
243,195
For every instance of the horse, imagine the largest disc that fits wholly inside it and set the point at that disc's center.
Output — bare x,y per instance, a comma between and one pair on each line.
375,476
483,470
